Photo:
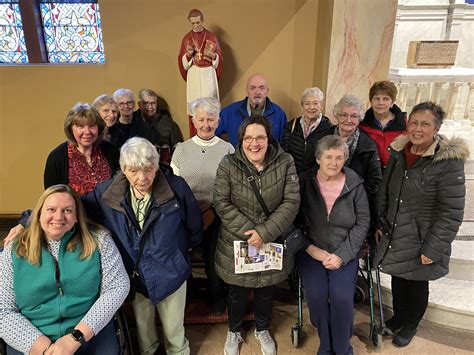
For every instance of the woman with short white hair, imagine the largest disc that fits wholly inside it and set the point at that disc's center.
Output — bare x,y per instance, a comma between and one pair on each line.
303,133
144,204
363,156
196,160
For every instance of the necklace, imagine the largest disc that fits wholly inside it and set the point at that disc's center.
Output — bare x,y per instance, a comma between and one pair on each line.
198,48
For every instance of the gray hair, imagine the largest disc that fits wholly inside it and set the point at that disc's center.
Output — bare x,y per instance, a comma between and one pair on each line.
146,92
312,92
436,110
331,141
139,153
210,105
119,93
102,100
349,101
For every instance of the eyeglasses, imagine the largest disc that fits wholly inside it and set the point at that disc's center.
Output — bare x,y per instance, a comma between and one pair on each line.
149,103
259,139
140,213
128,103
345,117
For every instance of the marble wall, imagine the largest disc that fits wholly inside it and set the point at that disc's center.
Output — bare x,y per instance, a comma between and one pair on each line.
361,42
434,20
419,20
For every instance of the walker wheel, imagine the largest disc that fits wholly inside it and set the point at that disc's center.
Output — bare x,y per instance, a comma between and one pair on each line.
359,295
295,335
376,338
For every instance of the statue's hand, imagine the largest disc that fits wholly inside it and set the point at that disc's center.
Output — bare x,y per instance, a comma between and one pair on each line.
210,53
189,50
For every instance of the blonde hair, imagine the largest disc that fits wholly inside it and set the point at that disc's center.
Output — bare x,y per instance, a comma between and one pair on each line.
31,239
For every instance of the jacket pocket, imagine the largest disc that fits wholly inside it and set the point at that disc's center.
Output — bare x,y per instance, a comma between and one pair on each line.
416,230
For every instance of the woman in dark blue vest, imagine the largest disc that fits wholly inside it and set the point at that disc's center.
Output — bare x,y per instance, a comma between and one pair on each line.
62,281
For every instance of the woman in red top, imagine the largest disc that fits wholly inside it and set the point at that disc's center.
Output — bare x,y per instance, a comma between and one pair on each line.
84,159
383,121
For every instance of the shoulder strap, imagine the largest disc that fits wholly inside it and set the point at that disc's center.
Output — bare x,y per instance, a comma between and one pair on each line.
293,125
139,256
251,180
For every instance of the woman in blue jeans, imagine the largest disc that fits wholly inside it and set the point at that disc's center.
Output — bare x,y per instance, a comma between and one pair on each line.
335,213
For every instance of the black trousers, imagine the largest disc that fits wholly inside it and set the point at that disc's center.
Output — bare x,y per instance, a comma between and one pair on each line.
215,285
410,300
262,305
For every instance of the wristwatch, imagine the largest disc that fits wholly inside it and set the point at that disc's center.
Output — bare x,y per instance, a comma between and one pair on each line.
78,336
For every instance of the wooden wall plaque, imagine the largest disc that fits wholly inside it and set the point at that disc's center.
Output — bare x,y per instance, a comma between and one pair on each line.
431,54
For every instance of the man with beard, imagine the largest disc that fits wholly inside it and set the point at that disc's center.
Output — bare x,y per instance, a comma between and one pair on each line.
256,103
156,125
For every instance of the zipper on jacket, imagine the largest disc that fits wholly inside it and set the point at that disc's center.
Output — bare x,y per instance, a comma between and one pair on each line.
57,275
394,222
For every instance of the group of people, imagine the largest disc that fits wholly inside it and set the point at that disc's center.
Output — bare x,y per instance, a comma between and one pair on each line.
373,174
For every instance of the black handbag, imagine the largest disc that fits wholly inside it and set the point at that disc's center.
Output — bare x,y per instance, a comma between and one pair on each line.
293,239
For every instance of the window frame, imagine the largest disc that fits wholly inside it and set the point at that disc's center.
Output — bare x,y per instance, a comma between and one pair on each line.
33,32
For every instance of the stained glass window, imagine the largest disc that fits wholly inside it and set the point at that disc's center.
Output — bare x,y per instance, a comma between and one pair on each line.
12,39
72,32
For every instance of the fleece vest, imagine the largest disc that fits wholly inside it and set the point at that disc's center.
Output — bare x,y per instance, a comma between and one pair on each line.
54,299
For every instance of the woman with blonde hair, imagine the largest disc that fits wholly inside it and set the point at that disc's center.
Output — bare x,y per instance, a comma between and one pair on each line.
62,281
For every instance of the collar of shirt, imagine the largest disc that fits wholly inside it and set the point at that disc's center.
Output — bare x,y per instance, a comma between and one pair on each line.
249,109
307,130
205,143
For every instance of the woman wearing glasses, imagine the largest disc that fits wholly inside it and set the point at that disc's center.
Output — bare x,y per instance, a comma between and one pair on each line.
84,159
303,133
244,219
148,209
363,156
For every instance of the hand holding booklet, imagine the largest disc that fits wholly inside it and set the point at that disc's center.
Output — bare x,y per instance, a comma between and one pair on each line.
250,259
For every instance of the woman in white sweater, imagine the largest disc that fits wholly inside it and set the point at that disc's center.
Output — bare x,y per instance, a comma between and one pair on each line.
196,160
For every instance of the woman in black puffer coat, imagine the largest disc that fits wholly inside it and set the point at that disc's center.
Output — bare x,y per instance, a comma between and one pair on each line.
420,204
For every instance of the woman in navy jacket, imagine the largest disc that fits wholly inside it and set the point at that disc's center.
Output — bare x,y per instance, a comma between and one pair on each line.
143,202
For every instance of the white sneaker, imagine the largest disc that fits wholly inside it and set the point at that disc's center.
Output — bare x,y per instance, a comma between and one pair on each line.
232,343
267,344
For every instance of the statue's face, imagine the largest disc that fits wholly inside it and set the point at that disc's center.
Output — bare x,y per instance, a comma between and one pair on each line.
196,23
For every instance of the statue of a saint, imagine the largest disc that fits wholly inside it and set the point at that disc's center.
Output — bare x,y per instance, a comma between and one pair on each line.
200,61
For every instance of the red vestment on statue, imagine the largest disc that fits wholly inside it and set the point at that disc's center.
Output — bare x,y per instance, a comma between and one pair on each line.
200,41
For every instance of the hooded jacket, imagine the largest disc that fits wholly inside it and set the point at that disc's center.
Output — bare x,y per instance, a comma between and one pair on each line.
237,206
422,207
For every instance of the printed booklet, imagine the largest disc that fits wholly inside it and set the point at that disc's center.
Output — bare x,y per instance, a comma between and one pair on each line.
250,259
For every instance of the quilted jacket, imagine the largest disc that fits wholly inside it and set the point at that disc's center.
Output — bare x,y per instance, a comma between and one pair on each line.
239,210
422,207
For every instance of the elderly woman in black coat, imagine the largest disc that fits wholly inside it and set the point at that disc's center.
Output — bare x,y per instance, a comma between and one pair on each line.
303,133
363,156
420,205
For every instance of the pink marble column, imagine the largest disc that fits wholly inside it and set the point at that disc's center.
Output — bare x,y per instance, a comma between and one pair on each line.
361,43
